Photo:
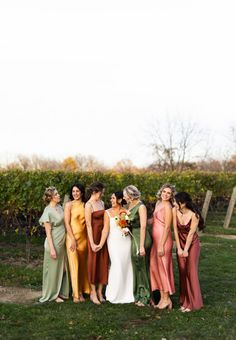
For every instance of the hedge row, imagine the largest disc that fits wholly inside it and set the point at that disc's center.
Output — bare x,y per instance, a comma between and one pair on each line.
21,191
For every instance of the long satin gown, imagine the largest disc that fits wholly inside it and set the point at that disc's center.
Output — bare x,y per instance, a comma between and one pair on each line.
190,292
141,287
97,262
55,271
120,277
79,257
161,267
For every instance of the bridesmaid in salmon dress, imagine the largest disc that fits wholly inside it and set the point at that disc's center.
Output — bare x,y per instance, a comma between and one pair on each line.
187,218
161,263
76,242
98,259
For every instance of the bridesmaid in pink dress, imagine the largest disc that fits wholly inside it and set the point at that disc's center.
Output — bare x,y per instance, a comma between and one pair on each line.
187,218
161,264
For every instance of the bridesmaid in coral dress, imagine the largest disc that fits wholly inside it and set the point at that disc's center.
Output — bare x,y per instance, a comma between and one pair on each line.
187,218
76,242
161,263
98,258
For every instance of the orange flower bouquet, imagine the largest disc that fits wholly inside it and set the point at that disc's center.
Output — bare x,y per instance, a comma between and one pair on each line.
123,221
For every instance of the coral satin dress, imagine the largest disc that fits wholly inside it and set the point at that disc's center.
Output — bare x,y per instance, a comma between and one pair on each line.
161,267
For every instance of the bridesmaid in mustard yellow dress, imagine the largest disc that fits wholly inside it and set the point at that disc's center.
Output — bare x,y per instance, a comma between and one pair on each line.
76,242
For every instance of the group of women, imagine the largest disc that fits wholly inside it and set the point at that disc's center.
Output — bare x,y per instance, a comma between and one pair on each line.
110,254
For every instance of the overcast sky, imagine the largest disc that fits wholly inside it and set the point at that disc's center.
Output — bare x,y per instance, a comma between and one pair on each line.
89,77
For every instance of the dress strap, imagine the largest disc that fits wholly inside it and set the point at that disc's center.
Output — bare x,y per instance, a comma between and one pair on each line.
91,206
108,213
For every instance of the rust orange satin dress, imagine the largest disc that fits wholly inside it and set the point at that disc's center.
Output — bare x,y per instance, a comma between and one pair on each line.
161,267
78,259
190,292
98,262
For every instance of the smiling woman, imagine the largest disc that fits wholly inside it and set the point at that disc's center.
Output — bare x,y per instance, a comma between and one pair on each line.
55,271
76,242
161,263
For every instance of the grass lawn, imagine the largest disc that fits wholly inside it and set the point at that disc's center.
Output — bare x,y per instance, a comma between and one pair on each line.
216,320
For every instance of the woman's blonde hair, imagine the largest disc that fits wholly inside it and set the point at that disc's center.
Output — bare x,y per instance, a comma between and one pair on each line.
173,192
132,192
48,194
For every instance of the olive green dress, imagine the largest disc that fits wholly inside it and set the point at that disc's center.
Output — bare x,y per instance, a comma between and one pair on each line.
139,263
55,272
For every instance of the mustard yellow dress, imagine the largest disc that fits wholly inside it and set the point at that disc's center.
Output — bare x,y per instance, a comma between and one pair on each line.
78,258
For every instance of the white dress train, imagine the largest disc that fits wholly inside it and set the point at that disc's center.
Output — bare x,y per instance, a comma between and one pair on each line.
120,277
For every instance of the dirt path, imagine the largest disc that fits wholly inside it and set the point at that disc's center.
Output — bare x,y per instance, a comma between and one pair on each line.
18,295
227,237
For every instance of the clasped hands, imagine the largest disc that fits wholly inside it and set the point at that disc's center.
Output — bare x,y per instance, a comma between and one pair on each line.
96,247
182,253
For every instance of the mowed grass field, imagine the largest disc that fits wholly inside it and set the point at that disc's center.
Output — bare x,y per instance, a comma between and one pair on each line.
217,320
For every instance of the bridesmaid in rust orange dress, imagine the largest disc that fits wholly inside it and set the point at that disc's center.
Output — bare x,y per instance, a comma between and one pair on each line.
76,242
161,263
98,259
187,218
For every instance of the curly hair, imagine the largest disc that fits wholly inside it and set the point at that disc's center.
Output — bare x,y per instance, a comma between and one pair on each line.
173,192
132,192
48,194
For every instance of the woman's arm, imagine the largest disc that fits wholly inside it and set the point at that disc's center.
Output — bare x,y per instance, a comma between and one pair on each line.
193,229
168,219
143,224
48,229
67,217
179,249
88,214
105,231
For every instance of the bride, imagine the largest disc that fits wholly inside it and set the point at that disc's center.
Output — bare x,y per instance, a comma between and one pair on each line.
120,277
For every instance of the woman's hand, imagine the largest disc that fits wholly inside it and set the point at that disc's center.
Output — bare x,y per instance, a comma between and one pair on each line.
180,252
185,253
125,231
142,251
97,247
160,251
73,244
53,254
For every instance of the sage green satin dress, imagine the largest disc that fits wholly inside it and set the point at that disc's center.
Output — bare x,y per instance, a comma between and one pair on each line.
139,263
55,272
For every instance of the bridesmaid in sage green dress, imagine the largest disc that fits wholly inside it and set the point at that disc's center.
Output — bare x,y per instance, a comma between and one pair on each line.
55,268
141,241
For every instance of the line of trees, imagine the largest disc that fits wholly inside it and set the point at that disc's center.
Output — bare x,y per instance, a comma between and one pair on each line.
173,143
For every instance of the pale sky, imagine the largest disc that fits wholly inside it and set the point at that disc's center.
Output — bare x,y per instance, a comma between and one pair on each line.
89,77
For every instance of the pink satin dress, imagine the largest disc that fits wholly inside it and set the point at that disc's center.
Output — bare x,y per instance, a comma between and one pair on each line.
161,267
190,292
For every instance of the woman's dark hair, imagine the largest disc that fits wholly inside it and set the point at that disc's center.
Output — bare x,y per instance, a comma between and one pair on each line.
81,188
184,197
119,195
94,187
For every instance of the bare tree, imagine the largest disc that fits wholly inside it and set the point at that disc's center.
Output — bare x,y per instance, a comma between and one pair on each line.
173,141
125,165
233,136
89,163
35,163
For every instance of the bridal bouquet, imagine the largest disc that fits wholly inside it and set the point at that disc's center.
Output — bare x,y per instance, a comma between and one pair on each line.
123,220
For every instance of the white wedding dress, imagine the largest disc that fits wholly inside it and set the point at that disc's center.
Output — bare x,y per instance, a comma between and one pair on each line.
120,277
